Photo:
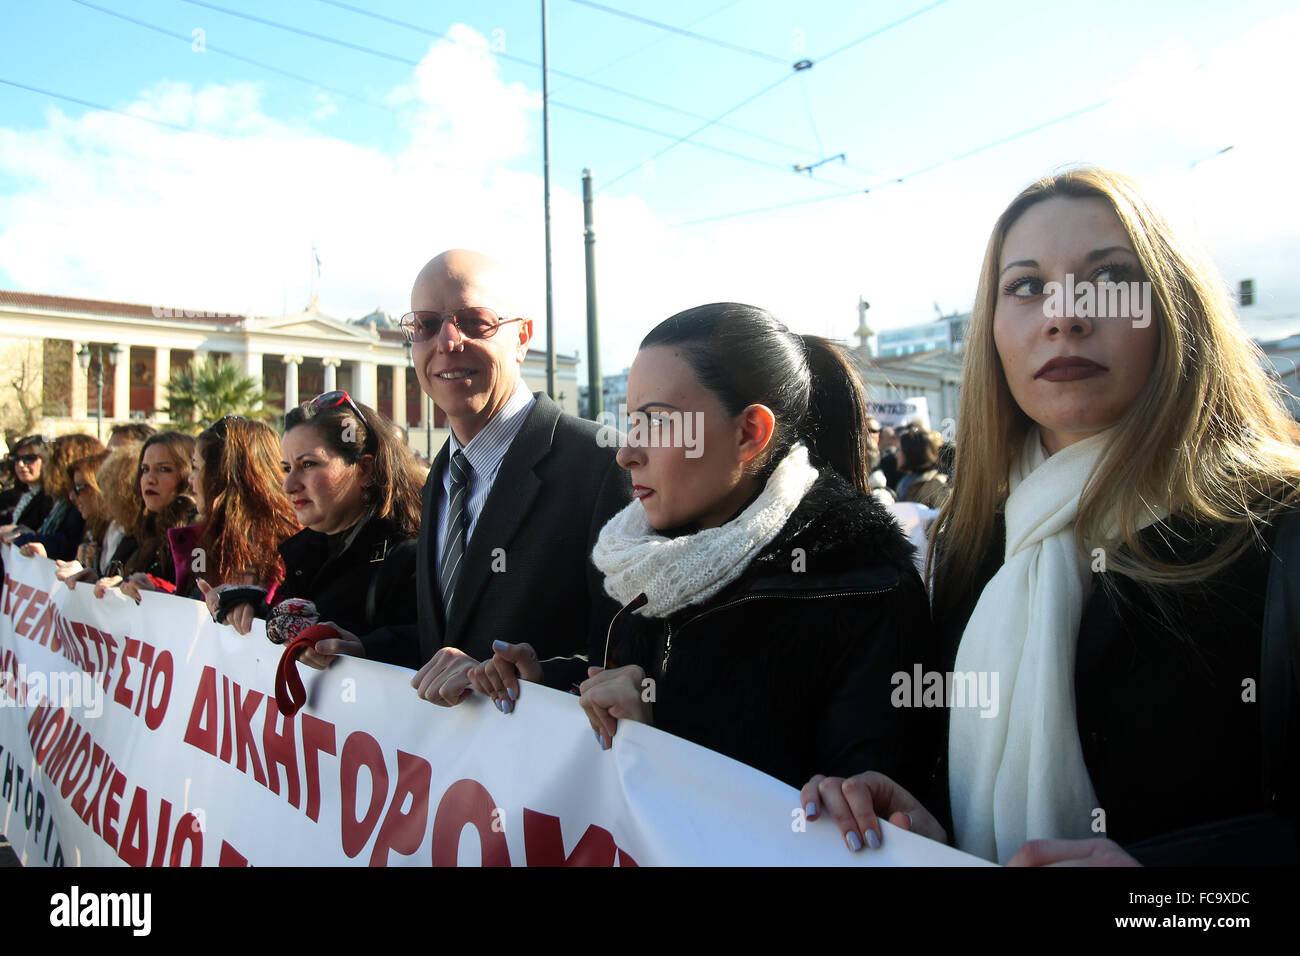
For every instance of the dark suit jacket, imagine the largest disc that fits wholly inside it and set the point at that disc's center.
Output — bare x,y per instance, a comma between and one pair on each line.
527,574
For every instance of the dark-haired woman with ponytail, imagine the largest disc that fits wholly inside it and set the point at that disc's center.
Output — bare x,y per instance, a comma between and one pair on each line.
768,598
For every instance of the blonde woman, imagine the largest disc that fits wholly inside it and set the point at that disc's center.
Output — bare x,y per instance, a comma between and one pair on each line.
1106,555
103,489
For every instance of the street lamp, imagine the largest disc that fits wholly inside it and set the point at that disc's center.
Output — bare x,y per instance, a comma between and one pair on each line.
83,359
428,413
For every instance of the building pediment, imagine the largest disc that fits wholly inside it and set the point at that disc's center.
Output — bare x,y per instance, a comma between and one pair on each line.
311,325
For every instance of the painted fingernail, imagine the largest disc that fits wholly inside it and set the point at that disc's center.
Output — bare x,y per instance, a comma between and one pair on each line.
514,695
810,809
500,645
507,707
599,739
497,705
873,841
854,842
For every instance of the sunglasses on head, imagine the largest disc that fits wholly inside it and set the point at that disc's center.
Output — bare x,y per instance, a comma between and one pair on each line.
474,322
328,400
219,427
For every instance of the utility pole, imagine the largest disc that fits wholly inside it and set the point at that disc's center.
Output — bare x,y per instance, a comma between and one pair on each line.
546,201
595,398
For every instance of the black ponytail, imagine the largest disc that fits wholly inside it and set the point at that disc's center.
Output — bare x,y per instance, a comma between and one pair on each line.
835,428
746,356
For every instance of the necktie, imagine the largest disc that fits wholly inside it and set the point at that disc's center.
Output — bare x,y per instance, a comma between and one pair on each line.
457,525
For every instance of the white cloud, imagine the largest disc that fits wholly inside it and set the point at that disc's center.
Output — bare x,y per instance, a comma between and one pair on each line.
325,107
110,207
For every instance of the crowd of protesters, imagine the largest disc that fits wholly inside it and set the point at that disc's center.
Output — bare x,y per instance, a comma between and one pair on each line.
1102,532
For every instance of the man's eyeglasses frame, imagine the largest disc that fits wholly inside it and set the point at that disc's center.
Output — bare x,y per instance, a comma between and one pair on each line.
415,328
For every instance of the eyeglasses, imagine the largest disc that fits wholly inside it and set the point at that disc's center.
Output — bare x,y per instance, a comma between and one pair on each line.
473,322
327,400
78,489
28,459
219,427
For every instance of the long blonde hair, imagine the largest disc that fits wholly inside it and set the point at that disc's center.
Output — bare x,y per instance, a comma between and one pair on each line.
1207,437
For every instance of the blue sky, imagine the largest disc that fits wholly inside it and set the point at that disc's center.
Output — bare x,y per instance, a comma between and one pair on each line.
383,160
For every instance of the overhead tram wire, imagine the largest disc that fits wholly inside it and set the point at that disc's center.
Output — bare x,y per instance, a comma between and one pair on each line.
803,88
1064,117
680,31
187,40
784,205
797,68
779,167
186,129
109,109
677,140
573,77
699,129
879,30
897,180
301,32
624,57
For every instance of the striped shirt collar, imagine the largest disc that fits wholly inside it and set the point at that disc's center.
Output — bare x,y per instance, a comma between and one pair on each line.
486,449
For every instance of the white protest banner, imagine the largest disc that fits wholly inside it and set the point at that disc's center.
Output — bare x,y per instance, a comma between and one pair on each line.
904,412
149,735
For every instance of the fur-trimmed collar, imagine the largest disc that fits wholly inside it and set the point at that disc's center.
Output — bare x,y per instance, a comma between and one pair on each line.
839,528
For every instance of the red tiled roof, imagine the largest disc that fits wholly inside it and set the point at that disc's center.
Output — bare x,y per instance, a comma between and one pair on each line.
59,303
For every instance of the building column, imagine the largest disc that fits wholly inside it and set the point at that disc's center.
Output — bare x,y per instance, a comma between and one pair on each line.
121,409
80,386
399,395
331,373
162,373
291,363
367,384
252,365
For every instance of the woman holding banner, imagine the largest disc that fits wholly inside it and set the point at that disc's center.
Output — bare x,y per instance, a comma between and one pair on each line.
355,488
243,515
768,598
104,487
159,503
1108,553
59,534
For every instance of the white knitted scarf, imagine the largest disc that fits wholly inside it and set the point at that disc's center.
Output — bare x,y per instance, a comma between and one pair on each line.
1018,774
677,572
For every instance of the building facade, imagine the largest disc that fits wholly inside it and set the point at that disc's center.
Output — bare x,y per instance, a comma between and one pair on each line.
944,334
137,347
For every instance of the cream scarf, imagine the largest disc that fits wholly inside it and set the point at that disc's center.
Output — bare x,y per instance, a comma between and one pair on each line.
1019,774
677,572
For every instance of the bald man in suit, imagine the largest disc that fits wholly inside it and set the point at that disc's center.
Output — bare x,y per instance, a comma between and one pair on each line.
514,500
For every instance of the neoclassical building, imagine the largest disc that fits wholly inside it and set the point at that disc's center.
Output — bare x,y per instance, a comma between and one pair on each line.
53,347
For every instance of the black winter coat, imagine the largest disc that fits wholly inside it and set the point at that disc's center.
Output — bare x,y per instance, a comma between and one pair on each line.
788,668
38,508
1171,737
369,584
61,543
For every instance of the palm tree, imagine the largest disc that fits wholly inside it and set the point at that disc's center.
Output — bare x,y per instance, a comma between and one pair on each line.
205,390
